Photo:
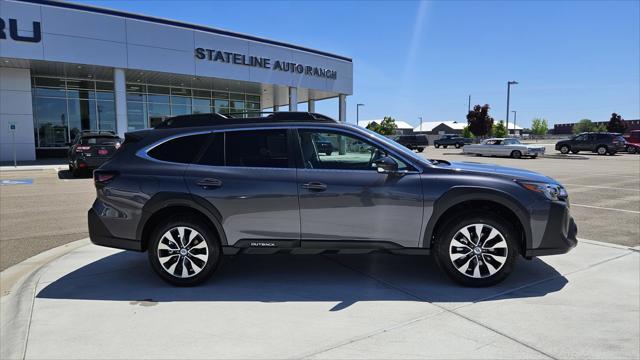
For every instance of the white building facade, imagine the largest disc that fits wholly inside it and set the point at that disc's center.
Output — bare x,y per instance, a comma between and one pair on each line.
67,68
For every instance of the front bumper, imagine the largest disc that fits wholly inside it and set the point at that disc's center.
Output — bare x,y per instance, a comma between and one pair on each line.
100,235
560,234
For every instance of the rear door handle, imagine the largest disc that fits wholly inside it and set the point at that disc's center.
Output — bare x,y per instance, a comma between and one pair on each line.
210,183
314,186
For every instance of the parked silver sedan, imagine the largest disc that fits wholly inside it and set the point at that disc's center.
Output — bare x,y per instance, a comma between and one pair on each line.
504,147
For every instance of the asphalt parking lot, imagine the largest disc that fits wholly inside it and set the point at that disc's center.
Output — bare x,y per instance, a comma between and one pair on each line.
604,192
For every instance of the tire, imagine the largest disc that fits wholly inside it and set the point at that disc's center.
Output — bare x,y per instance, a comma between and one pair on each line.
574,151
516,154
631,149
75,172
564,149
458,146
534,156
328,153
420,149
601,150
445,146
190,267
436,146
496,264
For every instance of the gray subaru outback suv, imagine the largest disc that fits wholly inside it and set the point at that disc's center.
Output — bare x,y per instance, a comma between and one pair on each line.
192,190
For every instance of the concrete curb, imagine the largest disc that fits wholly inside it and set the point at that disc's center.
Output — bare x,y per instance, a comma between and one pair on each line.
33,167
18,284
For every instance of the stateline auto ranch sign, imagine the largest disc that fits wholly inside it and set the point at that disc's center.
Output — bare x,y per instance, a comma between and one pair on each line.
229,57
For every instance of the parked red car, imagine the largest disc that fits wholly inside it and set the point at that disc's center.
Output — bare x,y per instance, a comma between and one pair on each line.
633,142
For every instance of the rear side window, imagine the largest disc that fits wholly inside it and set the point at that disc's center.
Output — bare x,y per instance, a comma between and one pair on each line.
179,150
214,155
257,148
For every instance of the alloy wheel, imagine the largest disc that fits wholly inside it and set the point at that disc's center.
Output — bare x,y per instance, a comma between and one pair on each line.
564,149
602,150
182,252
478,250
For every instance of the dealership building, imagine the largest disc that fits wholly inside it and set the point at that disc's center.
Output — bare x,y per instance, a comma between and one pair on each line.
67,68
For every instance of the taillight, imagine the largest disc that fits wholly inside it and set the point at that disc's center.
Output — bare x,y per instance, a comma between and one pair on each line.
83,148
103,177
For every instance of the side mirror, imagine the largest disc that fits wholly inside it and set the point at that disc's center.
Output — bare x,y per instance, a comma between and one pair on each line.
385,165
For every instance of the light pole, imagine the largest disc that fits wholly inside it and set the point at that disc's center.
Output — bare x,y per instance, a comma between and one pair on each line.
420,117
469,104
358,113
509,83
515,118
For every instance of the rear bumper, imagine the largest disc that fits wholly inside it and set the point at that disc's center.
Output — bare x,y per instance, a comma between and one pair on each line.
100,235
560,234
90,162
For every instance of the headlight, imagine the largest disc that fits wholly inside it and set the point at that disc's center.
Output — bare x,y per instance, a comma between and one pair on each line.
550,191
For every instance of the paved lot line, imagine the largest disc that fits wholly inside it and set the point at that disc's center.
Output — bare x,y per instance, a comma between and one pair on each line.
601,187
606,208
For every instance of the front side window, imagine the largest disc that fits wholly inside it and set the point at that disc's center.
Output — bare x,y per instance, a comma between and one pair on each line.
257,148
338,151
179,150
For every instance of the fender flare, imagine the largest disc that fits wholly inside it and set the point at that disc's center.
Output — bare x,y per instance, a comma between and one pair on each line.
163,200
460,194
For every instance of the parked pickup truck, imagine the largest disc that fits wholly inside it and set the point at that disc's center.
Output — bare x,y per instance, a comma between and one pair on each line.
413,142
451,140
633,142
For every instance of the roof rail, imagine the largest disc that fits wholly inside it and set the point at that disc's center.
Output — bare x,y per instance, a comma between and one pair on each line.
216,119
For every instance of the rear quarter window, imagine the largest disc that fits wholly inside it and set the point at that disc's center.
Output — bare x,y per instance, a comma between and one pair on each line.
179,150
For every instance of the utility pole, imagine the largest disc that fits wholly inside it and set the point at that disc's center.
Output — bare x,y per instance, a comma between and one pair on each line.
509,83
358,113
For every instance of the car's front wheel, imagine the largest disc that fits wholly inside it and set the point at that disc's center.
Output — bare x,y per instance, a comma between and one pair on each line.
477,249
436,145
516,154
601,150
564,149
631,149
184,251
458,146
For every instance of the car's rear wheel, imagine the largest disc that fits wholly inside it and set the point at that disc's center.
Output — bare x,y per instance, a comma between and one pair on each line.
458,146
420,149
516,154
74,171
631,149
436,146
477,249
184,251
564,149
445,146
601,150
328,153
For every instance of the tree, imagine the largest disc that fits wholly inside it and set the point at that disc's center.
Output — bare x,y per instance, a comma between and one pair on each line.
480,123
466,132
584,125
499,130
616,124
599,128
386,127
539,126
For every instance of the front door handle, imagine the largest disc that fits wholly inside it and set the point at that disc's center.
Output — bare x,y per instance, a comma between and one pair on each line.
209,183
314,186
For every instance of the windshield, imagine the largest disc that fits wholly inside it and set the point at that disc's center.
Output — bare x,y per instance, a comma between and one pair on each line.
399,148
99,140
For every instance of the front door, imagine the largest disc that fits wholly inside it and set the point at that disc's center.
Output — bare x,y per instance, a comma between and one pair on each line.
250,178
344,198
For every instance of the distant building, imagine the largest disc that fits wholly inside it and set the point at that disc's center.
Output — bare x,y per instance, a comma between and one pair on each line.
440,127
567,128
402,128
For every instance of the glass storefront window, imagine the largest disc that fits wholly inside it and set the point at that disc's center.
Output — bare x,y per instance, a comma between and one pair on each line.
180,100
201,106
180,110
136,115
221,95
107,115
65,107
237,96
253,98
161,99
51,122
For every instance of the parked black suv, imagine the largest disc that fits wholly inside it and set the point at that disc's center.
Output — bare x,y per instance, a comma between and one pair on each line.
187,195
414,142
599,142
90,149
451,140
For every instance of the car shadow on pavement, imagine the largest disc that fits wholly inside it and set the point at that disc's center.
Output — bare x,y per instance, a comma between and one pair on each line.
346,279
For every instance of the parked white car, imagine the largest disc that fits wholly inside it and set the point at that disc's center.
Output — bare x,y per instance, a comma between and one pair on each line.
504,147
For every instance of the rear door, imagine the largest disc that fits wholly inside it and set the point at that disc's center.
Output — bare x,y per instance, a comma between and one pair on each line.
249,176
344,199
